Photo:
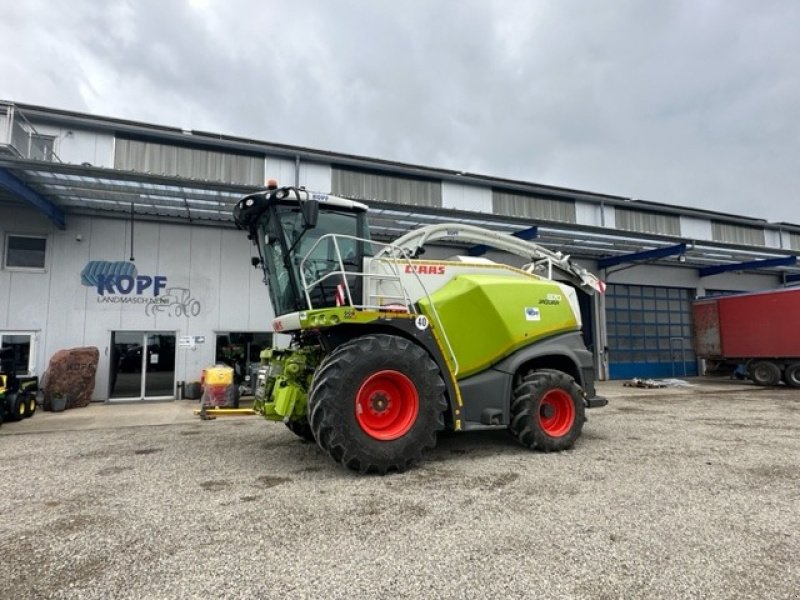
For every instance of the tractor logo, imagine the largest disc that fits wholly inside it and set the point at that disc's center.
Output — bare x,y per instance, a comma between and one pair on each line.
425,269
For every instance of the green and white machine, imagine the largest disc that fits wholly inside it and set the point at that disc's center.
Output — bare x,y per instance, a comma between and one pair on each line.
389,349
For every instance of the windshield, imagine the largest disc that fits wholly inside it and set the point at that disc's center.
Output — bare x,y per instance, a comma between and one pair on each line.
284,241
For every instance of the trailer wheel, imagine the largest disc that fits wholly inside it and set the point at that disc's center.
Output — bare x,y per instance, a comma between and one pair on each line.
376,403
792,375
547,411
765,372
301,428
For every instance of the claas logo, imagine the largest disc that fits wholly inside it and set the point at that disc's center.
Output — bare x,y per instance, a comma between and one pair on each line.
425,269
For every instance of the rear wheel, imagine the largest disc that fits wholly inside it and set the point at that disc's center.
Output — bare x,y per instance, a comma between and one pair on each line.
30,404
547,411
792,375
376,403
765,372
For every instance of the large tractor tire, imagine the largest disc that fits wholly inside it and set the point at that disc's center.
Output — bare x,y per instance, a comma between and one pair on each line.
765,372
301,428
792,375
376,403
547,411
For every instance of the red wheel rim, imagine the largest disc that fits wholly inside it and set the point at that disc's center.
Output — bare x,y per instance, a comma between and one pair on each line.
556,412
387,404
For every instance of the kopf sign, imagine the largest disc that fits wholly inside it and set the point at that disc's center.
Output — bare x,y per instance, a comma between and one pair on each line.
125,284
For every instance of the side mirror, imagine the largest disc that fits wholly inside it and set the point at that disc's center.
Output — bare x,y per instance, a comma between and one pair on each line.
255,261
310,210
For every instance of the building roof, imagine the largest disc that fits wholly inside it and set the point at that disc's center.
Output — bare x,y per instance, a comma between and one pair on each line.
60,189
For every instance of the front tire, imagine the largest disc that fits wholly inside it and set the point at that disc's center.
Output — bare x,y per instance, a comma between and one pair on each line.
547,411
17,408
376,403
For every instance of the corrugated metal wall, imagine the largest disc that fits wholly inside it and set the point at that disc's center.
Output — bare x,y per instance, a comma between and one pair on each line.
176,161
522,205
386,188
737,234
647,222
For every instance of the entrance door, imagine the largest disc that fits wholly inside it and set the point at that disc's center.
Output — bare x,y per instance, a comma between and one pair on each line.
649,332
142,365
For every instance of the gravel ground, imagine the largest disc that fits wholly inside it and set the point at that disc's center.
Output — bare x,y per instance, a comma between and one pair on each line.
668,494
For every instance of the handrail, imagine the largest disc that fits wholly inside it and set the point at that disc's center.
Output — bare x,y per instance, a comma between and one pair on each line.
392,261
413,241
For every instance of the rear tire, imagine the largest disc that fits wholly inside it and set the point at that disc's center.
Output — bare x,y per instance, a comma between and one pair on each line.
547,411
376,403
792,375
30,404
765,372
301,428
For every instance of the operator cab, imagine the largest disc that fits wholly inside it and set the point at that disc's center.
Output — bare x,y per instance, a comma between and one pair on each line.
292,229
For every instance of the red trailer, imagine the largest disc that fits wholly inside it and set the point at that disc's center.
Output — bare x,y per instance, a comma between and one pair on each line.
760,330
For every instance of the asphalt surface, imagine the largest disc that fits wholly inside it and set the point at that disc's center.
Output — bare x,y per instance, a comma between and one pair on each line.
677,493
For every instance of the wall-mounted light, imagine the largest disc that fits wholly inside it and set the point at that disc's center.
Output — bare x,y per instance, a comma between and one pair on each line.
78,237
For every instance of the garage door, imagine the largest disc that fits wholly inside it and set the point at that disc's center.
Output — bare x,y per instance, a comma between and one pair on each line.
649,332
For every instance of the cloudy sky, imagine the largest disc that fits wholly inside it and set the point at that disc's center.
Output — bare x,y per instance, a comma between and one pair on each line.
692,102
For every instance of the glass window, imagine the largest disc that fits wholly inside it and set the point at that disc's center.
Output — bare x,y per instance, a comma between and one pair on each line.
25,252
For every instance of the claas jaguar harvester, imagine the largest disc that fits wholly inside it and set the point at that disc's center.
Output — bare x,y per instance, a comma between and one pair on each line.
388,349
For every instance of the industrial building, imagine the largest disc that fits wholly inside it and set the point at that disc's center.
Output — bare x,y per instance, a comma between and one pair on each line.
119,235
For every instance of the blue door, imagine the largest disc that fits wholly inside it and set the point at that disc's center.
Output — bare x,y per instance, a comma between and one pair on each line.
649,332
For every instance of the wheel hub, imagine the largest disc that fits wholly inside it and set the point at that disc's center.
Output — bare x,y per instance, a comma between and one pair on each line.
379,402
386,405
556,412
548,411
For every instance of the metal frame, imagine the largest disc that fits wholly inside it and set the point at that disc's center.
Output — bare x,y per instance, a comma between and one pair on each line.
20,189
786,261
645,255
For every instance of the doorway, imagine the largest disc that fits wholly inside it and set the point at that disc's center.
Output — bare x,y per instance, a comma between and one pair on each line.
649,331
241,350
142,365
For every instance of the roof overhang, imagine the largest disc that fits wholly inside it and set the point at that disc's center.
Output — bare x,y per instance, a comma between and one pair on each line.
18,188
68,189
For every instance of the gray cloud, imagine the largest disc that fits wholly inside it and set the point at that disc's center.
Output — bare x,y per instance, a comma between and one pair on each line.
689,102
